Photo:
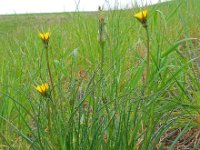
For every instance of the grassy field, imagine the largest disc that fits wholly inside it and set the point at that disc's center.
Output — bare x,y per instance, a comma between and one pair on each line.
103,97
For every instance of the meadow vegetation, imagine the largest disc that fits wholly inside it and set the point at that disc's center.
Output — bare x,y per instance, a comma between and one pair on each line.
102,96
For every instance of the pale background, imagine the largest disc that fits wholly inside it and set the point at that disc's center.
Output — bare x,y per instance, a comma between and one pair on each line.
42,6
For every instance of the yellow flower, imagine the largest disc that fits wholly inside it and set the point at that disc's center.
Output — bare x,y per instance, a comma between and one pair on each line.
44,36
43,88
142,16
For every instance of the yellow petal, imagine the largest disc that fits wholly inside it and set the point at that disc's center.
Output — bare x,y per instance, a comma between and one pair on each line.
43,88
44,36
38,88
142,16
47,35
46,86
41,35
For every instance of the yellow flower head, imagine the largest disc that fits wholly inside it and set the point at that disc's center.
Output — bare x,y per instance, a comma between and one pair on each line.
43,88
142,16
44,36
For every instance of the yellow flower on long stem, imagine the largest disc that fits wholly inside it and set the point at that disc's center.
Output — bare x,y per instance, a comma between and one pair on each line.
43,88
142,16
44,36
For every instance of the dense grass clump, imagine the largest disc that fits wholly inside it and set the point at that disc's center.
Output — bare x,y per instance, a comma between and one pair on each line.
85,84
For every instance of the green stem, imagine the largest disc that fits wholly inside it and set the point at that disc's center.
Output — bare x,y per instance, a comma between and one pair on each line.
102,73
148,57
102,79
49,115
49,70
102,59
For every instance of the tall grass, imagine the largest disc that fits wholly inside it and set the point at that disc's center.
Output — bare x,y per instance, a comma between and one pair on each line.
83,115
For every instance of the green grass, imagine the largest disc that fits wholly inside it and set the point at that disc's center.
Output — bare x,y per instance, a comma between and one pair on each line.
121,115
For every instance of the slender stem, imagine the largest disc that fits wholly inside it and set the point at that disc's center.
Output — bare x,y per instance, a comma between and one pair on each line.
148,57
51,80
102,73
102,59
102,78
49,70
49,115
102,44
